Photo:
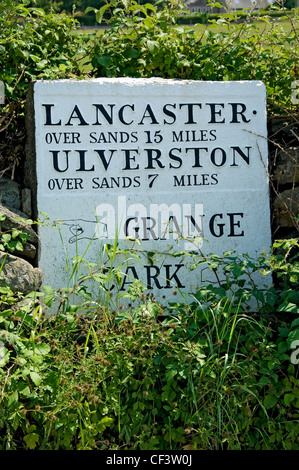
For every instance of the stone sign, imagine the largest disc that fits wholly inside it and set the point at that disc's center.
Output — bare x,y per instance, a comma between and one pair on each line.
164,166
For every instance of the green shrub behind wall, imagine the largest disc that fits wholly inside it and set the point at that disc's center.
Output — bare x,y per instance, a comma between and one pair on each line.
144,41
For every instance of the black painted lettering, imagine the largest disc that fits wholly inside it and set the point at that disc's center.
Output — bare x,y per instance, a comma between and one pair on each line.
236,112
102,156
136,180
190,108
108,116
148,228
175,158
76,114
133,276
179,181
49,116
214,178
170,277
235,223
148,114
177,136
169,113
216,112
82,161
121,114
95,182
212,223
151,158
51,184
129,158
136,229
197,155
191,220
92,136
213,134
78,183
241,153
55,154
153,276
222,154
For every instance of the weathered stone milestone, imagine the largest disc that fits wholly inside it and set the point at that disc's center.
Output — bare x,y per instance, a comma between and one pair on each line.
177,165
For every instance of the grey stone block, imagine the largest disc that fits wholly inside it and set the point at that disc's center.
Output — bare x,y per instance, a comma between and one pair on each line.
20,275
10,193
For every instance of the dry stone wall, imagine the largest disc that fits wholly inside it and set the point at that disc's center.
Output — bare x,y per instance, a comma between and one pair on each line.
18,269
283,135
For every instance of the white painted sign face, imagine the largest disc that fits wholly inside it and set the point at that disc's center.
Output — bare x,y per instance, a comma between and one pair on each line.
177,165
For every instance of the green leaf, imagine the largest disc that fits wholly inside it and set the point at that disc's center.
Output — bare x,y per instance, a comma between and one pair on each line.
36,378
288,398
6,237
15,233
270,401
100,12
170,375
19,246
42,348
41,64
148,22
24,389
293,336
104,423
288,307
104,60
31,440
13,398
216,5
125,3
88,9
4,355
37,11
131,53
153,46
284,332
149,6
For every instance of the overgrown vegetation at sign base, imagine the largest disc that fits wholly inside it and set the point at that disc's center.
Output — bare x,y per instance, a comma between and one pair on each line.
202,375
222,378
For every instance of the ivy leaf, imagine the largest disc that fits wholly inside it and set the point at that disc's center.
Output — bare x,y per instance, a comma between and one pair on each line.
23,237
104,60
41,64
31,440
131,53
19,246
153,46
6,237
